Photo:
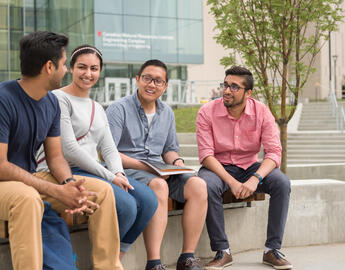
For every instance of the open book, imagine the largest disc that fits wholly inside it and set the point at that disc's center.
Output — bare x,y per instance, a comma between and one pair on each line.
166,169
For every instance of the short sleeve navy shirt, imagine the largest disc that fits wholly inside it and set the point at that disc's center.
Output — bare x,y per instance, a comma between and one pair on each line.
25,123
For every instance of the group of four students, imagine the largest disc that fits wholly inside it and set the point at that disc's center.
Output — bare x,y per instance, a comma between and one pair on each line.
70,132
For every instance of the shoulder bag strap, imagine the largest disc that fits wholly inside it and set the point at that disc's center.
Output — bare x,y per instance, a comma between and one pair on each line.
79,138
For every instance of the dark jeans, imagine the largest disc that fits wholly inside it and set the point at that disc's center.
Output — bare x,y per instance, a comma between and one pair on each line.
276,184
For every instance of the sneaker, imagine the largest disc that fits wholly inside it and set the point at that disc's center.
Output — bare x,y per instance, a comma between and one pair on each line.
275,259
188,264
159,267
220,261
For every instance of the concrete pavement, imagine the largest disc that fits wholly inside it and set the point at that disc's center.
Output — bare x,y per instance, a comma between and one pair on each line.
320,257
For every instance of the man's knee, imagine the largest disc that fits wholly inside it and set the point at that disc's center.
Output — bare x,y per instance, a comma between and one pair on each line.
213,182
103,189
160,187
281,181
27,199
196,188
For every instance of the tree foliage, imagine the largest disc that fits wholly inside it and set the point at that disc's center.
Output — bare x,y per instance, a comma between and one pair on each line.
278,40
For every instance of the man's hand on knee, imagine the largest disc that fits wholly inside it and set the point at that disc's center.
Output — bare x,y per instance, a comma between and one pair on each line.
236,188
75,196
249,187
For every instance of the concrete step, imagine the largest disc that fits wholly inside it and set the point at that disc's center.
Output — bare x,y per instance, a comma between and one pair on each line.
315,134
317,128
318,122
191,161
292,161
322,146
317,154
307,120
329,126
318,143
312,151
188,150
186,138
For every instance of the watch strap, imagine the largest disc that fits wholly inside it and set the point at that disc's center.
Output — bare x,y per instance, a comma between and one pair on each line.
69,179
258,176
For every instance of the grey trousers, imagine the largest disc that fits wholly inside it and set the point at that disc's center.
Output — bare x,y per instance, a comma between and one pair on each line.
276,184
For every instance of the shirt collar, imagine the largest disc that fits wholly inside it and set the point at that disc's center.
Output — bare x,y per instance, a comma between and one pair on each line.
159,103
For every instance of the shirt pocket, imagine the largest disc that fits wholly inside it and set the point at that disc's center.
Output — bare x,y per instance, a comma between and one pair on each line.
251,140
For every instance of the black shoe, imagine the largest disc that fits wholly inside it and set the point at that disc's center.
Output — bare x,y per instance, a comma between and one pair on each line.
159,267
188,264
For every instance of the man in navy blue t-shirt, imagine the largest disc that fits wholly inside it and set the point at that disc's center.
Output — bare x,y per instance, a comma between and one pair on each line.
30,116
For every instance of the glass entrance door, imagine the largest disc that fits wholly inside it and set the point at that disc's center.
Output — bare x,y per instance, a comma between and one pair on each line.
116,88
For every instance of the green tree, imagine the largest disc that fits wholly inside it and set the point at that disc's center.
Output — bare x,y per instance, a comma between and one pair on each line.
278,40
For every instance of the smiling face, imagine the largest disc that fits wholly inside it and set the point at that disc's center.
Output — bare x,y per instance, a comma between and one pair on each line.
86,71
150,92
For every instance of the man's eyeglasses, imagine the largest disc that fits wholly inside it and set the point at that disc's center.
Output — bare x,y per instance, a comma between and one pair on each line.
148,79
233,87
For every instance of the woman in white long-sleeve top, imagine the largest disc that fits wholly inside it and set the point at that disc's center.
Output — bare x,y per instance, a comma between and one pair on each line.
85,133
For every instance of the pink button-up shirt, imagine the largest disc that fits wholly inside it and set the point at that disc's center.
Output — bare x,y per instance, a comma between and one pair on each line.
237,142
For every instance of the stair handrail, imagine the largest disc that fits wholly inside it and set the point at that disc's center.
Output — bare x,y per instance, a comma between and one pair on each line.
337,110
342,112
333,100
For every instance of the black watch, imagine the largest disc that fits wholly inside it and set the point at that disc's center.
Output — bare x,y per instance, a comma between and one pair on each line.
173,163
69,179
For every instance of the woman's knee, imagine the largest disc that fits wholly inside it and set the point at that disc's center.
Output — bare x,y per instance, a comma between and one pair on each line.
126,206
145,197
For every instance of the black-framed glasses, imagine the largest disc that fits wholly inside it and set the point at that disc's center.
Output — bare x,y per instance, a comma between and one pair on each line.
233,87
148,79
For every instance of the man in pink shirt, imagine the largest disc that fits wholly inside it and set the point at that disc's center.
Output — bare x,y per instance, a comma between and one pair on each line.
230,132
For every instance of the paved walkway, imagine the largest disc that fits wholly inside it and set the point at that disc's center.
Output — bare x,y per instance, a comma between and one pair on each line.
325,257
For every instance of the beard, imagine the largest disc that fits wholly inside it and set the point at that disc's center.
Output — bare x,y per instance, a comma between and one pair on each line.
235,101
55,83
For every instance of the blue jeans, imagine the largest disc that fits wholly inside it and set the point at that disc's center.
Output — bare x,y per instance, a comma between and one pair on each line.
135,208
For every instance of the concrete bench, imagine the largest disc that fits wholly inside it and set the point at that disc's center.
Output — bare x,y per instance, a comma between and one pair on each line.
81,244
75,221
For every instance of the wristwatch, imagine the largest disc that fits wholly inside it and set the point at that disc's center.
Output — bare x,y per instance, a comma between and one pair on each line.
258,176
69,179
173,163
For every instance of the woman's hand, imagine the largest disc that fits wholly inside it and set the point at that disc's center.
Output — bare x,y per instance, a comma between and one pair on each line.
122,181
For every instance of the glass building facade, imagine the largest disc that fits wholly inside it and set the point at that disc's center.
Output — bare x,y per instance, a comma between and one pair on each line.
128,32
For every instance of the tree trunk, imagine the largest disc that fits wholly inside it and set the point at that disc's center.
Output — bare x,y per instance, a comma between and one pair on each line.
283,140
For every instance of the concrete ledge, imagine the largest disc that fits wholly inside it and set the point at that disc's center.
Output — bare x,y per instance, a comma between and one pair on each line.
321,171
294,121
316,216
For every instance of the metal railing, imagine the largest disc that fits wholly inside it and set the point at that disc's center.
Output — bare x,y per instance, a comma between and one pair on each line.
179,92
337,110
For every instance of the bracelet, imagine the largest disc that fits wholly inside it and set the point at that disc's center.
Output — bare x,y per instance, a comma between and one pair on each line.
69,179
258,176
173,163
